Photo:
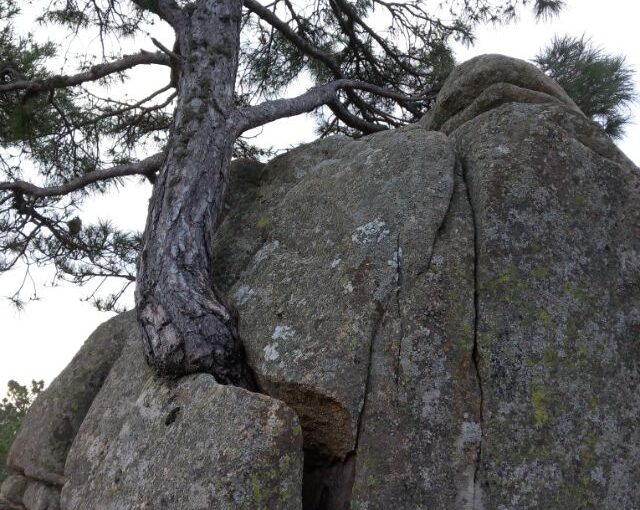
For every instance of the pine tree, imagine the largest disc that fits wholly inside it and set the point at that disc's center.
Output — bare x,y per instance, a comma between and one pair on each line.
372,64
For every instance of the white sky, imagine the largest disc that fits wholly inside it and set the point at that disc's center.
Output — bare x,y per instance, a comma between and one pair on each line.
38,342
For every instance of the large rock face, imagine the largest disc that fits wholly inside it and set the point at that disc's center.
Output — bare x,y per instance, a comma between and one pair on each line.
558,258
442,318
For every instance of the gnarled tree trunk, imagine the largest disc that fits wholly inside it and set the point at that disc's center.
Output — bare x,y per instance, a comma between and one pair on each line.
185,322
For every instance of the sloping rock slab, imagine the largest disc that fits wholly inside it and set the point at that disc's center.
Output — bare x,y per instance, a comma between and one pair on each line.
40,449
337,220
557,214
189,444
419,434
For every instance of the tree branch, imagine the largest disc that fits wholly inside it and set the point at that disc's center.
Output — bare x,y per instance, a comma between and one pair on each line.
300,42
309,49
146,167
342,113
168,10
254,116
94,73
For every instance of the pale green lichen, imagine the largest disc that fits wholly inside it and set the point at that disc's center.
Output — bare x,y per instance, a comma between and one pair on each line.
540,273
536,246
263,222
545,318
550,355
540,414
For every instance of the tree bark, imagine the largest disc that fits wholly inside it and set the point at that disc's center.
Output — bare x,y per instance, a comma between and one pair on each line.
186,324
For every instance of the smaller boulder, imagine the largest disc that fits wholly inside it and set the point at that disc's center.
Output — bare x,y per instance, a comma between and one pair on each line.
40,496
13,488
193,444
519,81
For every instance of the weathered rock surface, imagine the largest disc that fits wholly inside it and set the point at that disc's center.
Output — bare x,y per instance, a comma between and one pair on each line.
453,319
336,233
40,449
192,444
486,81
358,312
8,505
13,488
41,496
558,257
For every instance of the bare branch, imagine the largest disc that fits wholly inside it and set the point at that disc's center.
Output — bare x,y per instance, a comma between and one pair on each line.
146,167
353,121
254,116
94,73
309,49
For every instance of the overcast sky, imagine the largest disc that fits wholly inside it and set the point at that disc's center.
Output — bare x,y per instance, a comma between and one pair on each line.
39,341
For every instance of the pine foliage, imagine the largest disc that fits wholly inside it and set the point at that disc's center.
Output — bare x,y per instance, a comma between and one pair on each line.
13,409
601,84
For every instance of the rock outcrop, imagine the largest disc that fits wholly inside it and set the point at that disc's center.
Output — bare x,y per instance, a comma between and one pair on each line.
441,318
40,450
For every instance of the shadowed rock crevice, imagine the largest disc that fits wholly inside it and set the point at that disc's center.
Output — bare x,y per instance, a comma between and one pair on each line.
399,283
328,479
327,484
475,353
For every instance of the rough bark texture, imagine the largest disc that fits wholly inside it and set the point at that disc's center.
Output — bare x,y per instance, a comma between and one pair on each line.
186,324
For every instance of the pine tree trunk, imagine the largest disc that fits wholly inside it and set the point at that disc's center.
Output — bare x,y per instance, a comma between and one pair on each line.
185,322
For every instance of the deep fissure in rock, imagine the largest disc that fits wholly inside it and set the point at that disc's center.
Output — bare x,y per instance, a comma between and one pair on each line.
327,482
475,355
399,308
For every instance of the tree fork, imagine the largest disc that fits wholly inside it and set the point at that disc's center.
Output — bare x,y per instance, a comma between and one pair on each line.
186,324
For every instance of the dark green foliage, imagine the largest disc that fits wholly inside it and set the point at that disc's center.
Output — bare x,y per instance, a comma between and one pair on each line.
600,84
13,409
63,134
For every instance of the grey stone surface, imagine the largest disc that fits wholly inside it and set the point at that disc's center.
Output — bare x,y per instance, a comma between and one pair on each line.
40,496
192,444
558,256
13,488
8,505
454,320
40,448
476,76
338,218
492,97
111,407
418,444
